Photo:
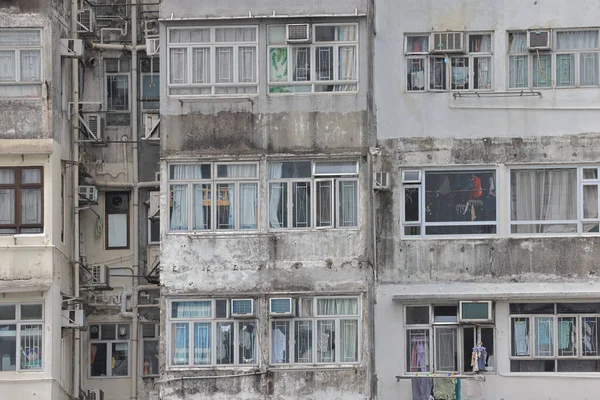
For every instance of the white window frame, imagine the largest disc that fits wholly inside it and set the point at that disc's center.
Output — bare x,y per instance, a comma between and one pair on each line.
109,344
213,182
107,75
17,54
19,322
143,340
552,74
580,221
431,327
335,179
213,320
313,59
313,320
422,224
555,319
427,57
212,44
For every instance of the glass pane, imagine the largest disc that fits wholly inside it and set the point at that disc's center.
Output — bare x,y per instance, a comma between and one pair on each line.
31,206
565,69
31,65
347,63
7,66
191,309
337,306
301,64
225,336
460,73
108,331
225,205
120,358
588,65
8,347
280,341
178,66
235,34
20,37
202,206
411,205
180,343
202,343
574,40
301,204
445,314
324,60
416,74
237,171
224,64
590,173
247,338
248,205
201,65
325,33
417,350
31,311
482,73
278,64
7,206
94,332
480,43
278,211
247,64
567,341
189,171
348,203
276,34
412,230
324,203
98,359
542,70
8,312
325,341
578,366
475,310
349,340
517,42
544,336
578,308
520,336
221,308
590,340
123,331
417,44
303,339
518,74
335,168
590,201
487,341
532,308
446,349
150,357
149,330
417,315
178,209
531,365
437,73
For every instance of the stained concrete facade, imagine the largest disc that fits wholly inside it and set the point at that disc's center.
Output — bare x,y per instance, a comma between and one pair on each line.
431,131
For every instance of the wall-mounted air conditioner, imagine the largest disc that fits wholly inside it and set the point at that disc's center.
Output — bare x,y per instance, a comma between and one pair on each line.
476,311
100,277
242,308
539,39
91,131
88,193
411,176
152,46
151,126
73,319
72,48
86,21
95,394
381,180
297,33
448,42
281,306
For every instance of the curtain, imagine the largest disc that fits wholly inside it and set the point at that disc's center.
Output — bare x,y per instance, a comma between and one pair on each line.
417,349
544,336
576,40
31,65
348,198
416,74
201,65
247,64
445,349
324,203
179,207
180,343
517,43
202,206
518,74
417,44
347,57
565,69
192,309
483,73
224,342
277,203
202,346
301,204
543,195
224,67
326,341
178,67
590,201
337,306
349,340
248,205
588,69
7,198
31,206
542,70
7,66
303,339
520,336
20,37
225,205
247,343
280,331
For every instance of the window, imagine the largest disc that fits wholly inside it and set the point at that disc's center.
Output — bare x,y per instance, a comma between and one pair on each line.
573,62
461,202
21,200
554,200
329,64
117,84
203,334
21,336
20,63
208,197
213,60
304,194
117,220
150,83
109,350
326,330
554,337
154,218
150,337
435,342
471,71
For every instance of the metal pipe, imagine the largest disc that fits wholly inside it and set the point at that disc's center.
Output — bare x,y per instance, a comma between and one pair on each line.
104,46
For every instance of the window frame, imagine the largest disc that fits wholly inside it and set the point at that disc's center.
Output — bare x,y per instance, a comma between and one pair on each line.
313,180
106,220
18,186
214,321
337,318
144,109
312,45
108,75
17,61
213,181
579,222
143,341
422,224
18,321
212,44
109,343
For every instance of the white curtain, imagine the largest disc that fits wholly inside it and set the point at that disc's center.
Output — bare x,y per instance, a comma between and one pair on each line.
337,306
248,197
590,201
7,66
224,342
247,64
348,198
178,67
192,309
349,340
347,57
248,205
7,198
201,65
224,64
575,40
180,198
518,65
31,66
202,196
179,207
280,331
275,196
202,345
445,349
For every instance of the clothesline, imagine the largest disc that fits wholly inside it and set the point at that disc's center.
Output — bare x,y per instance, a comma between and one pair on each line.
438,376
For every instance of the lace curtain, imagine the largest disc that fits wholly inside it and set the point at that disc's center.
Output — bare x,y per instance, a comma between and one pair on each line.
518,65
7,198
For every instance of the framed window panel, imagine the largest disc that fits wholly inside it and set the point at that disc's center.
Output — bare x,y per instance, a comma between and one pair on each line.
21,200
109,350
20,62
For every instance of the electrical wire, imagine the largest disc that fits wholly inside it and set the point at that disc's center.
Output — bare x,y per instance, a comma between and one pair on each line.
541,69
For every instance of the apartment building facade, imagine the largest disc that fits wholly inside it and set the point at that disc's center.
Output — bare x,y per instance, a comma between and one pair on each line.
488,234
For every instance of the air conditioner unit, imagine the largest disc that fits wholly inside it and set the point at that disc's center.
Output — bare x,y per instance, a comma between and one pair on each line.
475,312
73,319
100,276
381,180
86,21
72,48
88,193
242,308
154,205
95,394
92,128
411,176
151,126
282,306
448,42
540,39
152,46
297,33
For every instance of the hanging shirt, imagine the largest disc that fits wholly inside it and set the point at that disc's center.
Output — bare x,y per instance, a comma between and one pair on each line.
476,193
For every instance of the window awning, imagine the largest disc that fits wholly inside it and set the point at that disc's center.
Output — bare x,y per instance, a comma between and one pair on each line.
496,291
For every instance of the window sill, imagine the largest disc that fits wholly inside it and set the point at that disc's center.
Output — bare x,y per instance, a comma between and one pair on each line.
109,377
312,367
452,237
305,94
228,368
